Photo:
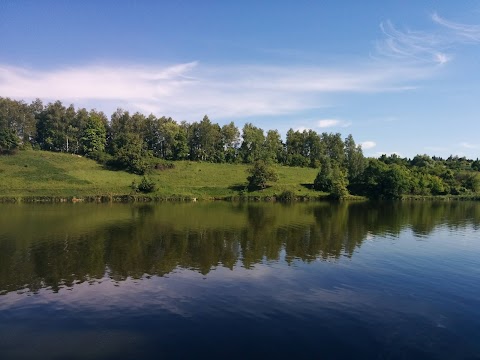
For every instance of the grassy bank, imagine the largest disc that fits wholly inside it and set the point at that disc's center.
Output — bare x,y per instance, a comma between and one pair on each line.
39,175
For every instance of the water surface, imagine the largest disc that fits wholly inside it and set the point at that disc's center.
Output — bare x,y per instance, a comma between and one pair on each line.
318,280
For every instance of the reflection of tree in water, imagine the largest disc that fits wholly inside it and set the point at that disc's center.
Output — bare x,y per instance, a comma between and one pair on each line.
152,242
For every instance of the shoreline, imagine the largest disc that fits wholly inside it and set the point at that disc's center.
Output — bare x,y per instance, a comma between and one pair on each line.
134,198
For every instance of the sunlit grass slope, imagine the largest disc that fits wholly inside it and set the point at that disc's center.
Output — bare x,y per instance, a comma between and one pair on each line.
39,173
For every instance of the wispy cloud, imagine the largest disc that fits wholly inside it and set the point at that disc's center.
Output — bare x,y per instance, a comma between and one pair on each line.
467,145
190,90
368,145
413,45
469,33
187,91
327,123
426,46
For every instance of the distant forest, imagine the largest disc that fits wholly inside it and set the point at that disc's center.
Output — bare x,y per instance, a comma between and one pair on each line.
136,143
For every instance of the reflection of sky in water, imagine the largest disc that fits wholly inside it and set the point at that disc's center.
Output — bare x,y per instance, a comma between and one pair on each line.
396,296
401,291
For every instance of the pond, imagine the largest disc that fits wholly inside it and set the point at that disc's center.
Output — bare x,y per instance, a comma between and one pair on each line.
393,280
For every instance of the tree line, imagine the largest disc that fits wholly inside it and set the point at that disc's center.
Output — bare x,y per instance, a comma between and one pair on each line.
134,142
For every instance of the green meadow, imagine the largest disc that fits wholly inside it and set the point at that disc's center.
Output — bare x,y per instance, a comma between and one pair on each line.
48,174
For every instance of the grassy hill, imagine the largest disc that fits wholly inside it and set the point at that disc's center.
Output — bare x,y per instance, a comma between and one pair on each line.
39,173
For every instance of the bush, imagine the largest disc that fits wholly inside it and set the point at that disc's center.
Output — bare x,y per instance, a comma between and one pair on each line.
286,196
260,174
8,142
146,186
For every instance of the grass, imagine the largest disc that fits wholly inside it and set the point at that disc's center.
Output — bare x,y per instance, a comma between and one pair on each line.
39,173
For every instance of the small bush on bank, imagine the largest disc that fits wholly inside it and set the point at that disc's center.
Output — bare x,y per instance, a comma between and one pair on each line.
145,186
286,196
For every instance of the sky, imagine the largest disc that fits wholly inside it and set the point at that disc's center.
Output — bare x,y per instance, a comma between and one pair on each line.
400,76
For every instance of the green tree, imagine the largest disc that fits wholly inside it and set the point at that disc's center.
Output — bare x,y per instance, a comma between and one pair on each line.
323,180
354,160
132,155
50,132
273,146
260,174
8,141
339,183
230,141
297,152
94,135
314,148
252,147
334,147
380,180
332,179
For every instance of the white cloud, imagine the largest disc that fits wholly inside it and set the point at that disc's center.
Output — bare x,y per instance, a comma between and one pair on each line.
326,123
467,145
415,45
463,32
368,144
442,58
426,46
189,91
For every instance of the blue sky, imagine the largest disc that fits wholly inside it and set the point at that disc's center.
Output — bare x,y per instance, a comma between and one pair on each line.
400,76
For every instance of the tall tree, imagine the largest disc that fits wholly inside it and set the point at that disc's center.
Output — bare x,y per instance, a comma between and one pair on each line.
51,122
274,150
94,136
252,147
231,141
297,153
334,147
354,160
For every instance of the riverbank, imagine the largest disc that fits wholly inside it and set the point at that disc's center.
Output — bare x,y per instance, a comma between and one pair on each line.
40,176
47,177
135,198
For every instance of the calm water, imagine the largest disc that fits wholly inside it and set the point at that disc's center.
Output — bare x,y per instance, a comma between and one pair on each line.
359,280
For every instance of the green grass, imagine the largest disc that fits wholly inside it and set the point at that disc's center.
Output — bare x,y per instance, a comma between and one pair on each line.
40,173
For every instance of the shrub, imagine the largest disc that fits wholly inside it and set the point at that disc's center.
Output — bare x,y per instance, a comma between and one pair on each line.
286,196
145,186
260,174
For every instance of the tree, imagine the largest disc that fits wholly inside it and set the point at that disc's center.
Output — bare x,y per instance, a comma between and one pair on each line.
354,159
8,141
339,183
252,147
334,147
260,174
231,141
133,155
297,153
314,148
273,146
323,180
383,181
51,122
332,179
94,135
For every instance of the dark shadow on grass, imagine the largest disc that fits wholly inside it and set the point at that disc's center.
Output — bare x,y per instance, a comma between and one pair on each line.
238,187
308,186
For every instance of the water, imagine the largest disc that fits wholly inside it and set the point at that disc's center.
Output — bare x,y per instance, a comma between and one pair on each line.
319,280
